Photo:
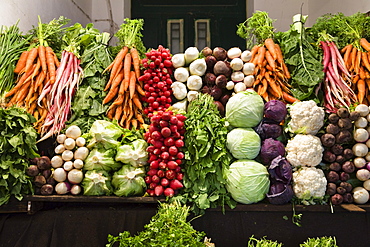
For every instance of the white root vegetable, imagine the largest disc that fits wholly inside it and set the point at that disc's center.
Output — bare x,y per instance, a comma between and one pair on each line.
178,60
61,138
248,68
59,149
81,153
191,53
230,85
181,74
67,155
78,164
249,80
69,143
240,86
236,64
73,131
57,161
366,184
360,195
237,76
360,149
198,67
180,105
179,90
362,109
76,189
234,52
194,82
361,135
363,174
192,95
68,165
361,122
60,175
80,141
246,56
62,188
359,162
75,176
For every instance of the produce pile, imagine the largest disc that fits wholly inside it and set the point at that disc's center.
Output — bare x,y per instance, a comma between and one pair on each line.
283,121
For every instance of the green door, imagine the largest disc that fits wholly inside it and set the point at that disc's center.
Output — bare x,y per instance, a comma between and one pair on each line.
181,24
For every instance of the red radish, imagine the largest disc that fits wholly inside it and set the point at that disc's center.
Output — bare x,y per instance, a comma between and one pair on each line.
158,190
155,179
181,117
179,176
160,173
152,185
152,172
148,179
157,151
156,135
180,155
172,165
169,141
173,120
150,192
170,174
166,132
165,155
165,182
164,149
162,165
179,143
169,192
173,128
176,184
154,164
173,151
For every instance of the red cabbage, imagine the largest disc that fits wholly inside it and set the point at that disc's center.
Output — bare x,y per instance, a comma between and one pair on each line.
280,193
280,170
271,149
267,129
275,110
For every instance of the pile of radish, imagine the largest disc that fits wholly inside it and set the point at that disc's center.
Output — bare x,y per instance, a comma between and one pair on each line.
165,139
157,79
69,161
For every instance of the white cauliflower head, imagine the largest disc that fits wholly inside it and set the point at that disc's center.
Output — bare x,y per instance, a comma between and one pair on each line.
304,150
306,118
309,183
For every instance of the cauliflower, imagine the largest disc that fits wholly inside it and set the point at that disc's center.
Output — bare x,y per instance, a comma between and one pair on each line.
304,150
309,183
306,118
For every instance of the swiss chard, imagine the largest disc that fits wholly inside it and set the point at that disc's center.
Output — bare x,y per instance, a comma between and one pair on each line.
206,157
17,146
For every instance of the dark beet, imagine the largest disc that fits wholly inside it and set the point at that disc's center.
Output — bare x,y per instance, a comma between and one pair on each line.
337,149
343,112
32,170
333,118
344,176
47,189
328,156
348,167
220,107
335,166
327,140
332,177
341,190
354,115
221,81
340,159
345,123
347,186
336,199
210,79
216,92
44,163
331,189
39,180
348,153
210,62
332,129
207,51
347,198
224,99
220,53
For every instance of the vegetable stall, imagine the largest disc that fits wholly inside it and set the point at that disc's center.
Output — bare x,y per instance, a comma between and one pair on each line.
220,140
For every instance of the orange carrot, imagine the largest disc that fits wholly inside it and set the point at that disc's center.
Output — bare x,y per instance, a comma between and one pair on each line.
42,56
270,45
118,59
289,98
40,79
139,117
346,56
50,62
126,71
365,44
36,69
21,62
56,61
132,85
135,61
270,60
362,73
358,62
140,90
30,59
361,90
116,81
279,54
261,56
118,112
137,101
353,58
365,60
275,88
254,52
110,96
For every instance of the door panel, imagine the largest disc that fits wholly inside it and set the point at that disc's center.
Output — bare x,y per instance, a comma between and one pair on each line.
224,15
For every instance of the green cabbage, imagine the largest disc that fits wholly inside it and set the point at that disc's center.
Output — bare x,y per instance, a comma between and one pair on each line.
129,181
104,134
100,159
96,183
134,153
247,181
244,109
243,143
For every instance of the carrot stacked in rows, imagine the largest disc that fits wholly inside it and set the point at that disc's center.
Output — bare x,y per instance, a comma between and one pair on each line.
357,62
124,89
271,73
35,68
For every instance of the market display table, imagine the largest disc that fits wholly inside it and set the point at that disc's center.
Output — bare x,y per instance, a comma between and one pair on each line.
87,221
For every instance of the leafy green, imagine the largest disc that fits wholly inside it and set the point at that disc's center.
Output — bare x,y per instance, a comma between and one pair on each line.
256,28
206,157
303,59
169,227
344,29
87,103
263,242
320,242
17,145
130,35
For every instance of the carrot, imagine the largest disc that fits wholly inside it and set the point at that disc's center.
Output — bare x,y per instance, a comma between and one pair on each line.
139,117
279,54
56,61
21,62
118,112
118,59
355,79
140,90
353,58
361,90
346,56
365,44
50,62
261,55
118,101
134,123
30,59
132,85
116,81
137,101
135,61
275,88
254,52
111,111
270,45
110,96
270,60
126,71
42,57
22,93
289,98
358,62
264,86
365,60
36,69
40,79
362,73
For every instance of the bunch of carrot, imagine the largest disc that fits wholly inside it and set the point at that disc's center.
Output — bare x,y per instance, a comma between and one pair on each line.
124,89
35,67
271,73
357,62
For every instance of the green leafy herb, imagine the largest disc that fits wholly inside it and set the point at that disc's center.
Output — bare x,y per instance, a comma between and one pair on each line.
320,242
303,59
206,157
256,28
17,145
263,242
130,35
169,227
